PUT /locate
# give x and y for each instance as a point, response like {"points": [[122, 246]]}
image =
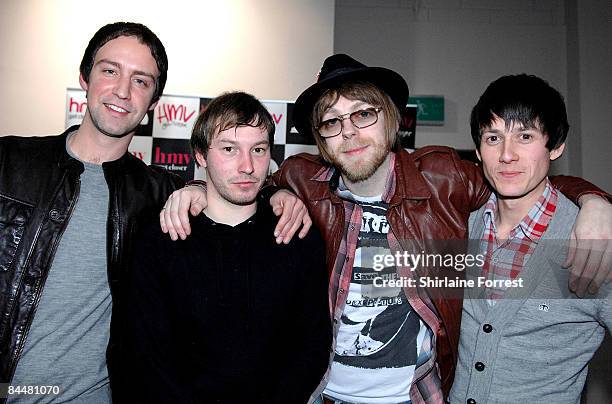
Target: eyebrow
{"points": [[136, 72], [491, 130], [358, 104], [233, 142]]}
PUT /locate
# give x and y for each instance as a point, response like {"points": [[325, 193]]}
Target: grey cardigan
{"points": [[533, 346]]}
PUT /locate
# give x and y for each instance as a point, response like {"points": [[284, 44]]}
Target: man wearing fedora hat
{"points": [[375, 204]]}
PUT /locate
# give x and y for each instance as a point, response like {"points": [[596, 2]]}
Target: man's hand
{"points": [[293, 214], [590, 251], [174, 218]]}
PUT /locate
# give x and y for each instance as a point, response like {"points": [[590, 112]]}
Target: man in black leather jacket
{"points": [[41, 187]]}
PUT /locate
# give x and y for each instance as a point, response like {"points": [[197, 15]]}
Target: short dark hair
{"points": [[524, 99], [230, 110], [145, 36]]}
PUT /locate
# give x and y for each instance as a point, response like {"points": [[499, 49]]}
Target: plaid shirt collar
{"points": [[534, 224]]}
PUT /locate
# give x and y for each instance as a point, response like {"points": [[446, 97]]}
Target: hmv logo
{"points": [[171, 114], [170, 158], [76, 107]]}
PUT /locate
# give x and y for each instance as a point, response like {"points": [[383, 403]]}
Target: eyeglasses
{"points": [[361, 119]]}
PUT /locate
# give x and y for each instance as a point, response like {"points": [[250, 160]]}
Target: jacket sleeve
{"points": [[573, 188], [152, 372], [473, 179], [307, 367], [280, 179]]}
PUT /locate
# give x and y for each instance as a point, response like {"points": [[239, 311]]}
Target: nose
{"points": [[348, 128], [246, 162], [122, 87], [508, 153]]}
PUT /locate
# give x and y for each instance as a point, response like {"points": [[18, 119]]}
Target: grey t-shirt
{"points": [[67, 341]]}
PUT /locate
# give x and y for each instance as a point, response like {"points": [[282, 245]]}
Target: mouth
{"points": [[509, 174], [355, 150], [245, 183], [116, 108]]}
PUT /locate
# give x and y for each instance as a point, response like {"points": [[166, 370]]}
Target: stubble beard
{"points": [[361, 170], [237, 198]]}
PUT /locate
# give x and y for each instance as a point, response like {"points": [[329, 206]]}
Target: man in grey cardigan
{"points": [[524, 337]]}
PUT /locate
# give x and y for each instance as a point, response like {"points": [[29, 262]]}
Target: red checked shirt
{"points": [[504, 261], [426, 385]]}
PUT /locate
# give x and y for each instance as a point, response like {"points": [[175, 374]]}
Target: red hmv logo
{"points": [[75, 106], [170, 158], [171, 114]]}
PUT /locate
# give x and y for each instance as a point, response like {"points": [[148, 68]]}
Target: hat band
{"points": [[338, 72]]}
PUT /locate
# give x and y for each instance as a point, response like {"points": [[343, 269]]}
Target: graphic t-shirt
{"points": [[380, 337]]}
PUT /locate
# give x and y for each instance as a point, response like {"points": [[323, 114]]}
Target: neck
{"points": [[91, 146], [222, 211], [511, 211], [373, 185]]}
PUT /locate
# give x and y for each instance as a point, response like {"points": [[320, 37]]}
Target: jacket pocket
{"points": [[14, 215]]}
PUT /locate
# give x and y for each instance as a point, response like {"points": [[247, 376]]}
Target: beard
{"points": [[362, 168]]}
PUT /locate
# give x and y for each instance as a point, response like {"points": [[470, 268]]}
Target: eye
{"points": [[525, 137], [492, 139], [329, 123], [363, 114], [141, 82], [260, 151], [109, 71], [228, 149]]}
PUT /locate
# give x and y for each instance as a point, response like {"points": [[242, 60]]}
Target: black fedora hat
{"points": [[339, 69]]}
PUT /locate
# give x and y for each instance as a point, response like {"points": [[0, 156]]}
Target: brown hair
{"points": [[230, 110], [362, 91]]}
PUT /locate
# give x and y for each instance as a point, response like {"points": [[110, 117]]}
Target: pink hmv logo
{"points": [[171, 114]]}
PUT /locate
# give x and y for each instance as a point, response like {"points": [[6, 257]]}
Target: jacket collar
{"points": [[410, 183], [66, 161]]}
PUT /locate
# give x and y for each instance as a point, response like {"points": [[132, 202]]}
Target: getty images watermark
{"points": [[458, 262]]}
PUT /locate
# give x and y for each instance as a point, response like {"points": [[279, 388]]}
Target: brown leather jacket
{"points": [[435, 193]]}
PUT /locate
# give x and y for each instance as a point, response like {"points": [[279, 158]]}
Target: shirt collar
{"points": [[534, 224]]}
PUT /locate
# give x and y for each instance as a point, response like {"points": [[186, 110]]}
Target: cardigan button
{"points": [[479, 366], [471, 401], [487, 328]]}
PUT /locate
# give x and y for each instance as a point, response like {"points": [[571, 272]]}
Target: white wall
{"points": [[594, 20], [455, 48], [267, 47]]}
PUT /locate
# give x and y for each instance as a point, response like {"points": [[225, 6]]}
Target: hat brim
{"points": [[387, 80]]}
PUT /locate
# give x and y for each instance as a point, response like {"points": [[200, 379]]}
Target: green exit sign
{"points": [[430, 109]]}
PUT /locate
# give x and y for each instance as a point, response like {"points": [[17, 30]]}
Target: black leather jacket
{"points": [[39, 186]]}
